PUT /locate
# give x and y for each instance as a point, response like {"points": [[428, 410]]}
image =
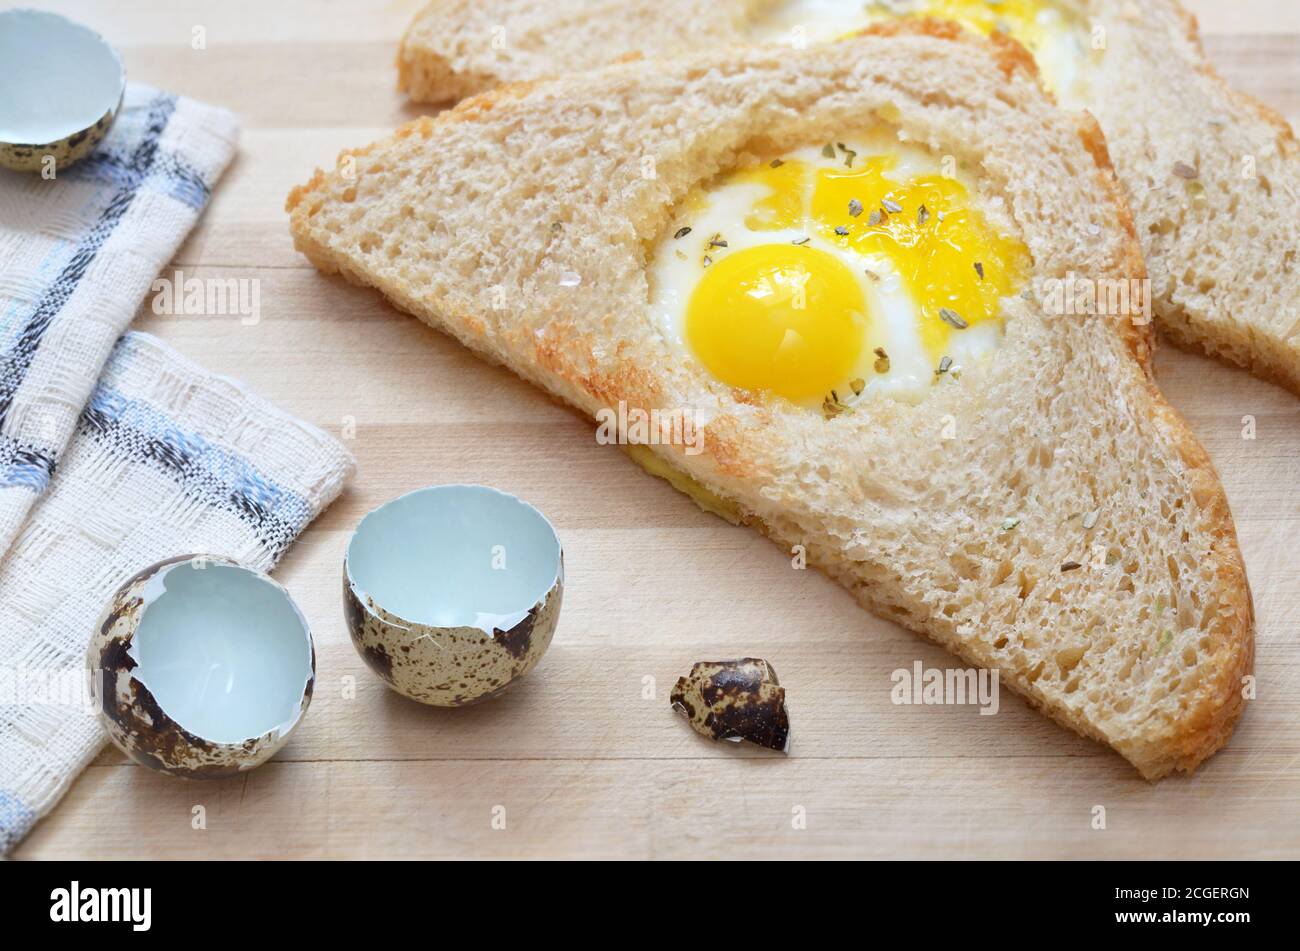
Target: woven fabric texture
{"points": [[115, 451]]}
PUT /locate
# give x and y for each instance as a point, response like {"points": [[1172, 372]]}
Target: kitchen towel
{"points": [[116, 451], [78, 253]]}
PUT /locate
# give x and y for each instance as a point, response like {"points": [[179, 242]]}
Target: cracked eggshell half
{"points": [[201, 668], [451, 593], [61, 86]]}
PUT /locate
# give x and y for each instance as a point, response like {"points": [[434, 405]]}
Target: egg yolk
{"points": [[955, 267], [781, 318], [786, 192]]}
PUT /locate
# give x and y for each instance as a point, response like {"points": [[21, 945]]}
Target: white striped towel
{"points": [[116, 453]]}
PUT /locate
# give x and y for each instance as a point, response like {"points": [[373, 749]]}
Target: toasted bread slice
{"points": [[1071, 533], [1213, 177]]}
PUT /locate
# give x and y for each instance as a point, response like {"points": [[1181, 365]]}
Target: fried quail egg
{"points": [[834, 273], [1055, 33]]}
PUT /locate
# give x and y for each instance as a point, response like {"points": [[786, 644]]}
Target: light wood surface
{"points": [[582, 758]]}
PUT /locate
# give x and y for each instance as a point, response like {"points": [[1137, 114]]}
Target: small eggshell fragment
{"points": [[201, 668], [453, 592], [735, 700]]}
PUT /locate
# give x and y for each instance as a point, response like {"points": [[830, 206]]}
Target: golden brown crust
{"points": [[1260, 364], [431, 77], [1009, 55], [1012, 56], [487, 101], [300, 192], [1288, 378], [1139, 336], [1194, 736], [1205, 728]]}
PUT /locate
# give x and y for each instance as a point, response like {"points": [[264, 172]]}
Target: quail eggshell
{"points": [[200, 667], [61, 86], [735, 700], [451, 593]]}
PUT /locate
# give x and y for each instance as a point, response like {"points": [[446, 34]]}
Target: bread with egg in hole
{"points": [[1213, 176], [1035, 506]]}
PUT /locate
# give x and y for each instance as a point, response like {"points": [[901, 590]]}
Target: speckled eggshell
{"points": [[65, 152], [735, 700], [133, 719], [65, 73], [449, 666]]}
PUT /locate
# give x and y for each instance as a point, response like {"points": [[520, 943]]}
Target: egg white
{"points": [[677, 269]]}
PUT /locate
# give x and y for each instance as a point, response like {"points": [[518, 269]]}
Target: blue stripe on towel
{"points": [[136, 431], [134, 167], [169, 174], [24, 465], [185, 184], [15, 820], [116, 163]]}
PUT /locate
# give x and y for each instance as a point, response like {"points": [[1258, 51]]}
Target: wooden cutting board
{"points": [[585, 758]]}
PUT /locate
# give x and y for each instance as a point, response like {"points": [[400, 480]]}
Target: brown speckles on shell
{"points": [[353, 611], [518, 639], [378, 660], [22, 157], [132, 717], [372, 651], [735, 699], [448, 667]]}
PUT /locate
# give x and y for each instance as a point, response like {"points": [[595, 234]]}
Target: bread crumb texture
{"points": [[1048, 515], [1213, 177]]}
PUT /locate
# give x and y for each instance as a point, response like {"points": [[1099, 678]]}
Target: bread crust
{"points": [[437, 62], [1010, 56], [1210, 722], [563, 361], [1261, 363]]}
